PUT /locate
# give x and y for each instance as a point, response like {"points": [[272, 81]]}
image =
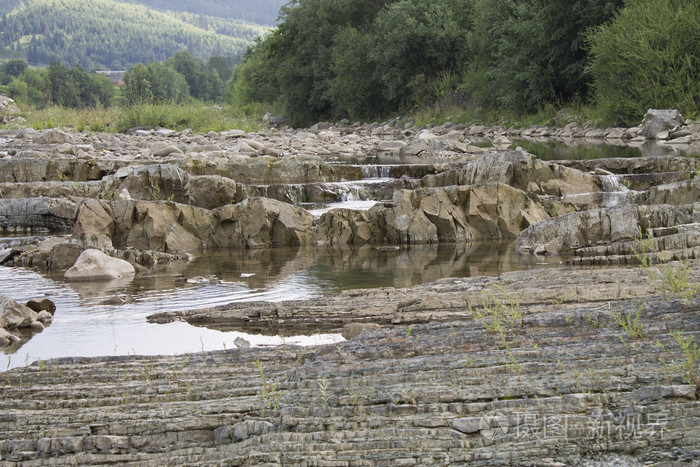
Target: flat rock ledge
{"points": [[560, 382]]}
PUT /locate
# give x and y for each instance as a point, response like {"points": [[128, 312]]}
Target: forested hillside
{"points": [[254, 11], [113, 35], [369, 58]]}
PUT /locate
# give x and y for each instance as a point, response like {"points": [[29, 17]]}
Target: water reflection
{"points": [[110, 318]]}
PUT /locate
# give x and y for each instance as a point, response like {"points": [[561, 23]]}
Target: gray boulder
{"points": [[93, 265], [655, 121], [15, 315], [162, 149], [53, 137]]}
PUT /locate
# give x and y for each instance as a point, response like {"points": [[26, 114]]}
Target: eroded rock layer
{"points": [[558, 383]]}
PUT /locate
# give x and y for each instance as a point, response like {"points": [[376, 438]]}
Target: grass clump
{"points": [[630, 325], [498, 313], [199, 117], [270, 394], [689, 366], [672, 280]]}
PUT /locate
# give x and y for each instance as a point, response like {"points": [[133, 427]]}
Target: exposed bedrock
{"points": [[36, 214], [520, 170], [634, 165], [571, 388], [615, 233], [442, 300]]}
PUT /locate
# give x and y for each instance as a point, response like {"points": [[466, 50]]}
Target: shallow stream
{"points": [[110, 318]]}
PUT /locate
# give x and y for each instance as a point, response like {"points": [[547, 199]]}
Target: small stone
{"points": [[241, 343], [467, 425], [41, 304]]}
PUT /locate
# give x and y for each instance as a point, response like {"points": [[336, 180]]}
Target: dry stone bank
{"points": [[562, 383]]}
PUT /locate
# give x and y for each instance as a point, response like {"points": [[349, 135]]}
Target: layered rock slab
{"points": [[438, 393]]}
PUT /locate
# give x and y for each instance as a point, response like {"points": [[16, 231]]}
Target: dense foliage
{"points": [[178, 80], [363, 59], [57, 85], [649, 57], [112, 35], [529, 52]]}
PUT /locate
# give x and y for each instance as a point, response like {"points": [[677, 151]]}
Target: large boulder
{"points": [[14, 315], [435, 215], [162, 226], [93, 265], [655, 121], [266, 222]]}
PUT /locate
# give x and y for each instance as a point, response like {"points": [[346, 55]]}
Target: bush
{"points": [[647, 57]]}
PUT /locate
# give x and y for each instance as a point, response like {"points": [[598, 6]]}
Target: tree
{"points": [[167, 85], [12, 69], [199, 80], [137, 85], [221, 66], [63, 89], [530, 52], [649, 56]]}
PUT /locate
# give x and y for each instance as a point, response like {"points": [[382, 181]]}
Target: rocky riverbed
{"points": [[594, 362]]}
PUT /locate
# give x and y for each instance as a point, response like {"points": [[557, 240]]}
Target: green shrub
{"points": [[647, 57]]}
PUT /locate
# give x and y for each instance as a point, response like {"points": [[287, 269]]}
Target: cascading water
{"points": [[376, 171], [611, 184], [614, 193]]}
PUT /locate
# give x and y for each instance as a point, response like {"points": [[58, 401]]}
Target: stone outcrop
{"points": [[93, 265], [36, 214], [520, 170], [614, 233], [18, 322]]}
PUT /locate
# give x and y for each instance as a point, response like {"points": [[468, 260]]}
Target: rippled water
{"points": [[89, 320]]}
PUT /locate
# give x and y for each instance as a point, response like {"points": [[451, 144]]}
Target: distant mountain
{"points": [[254, 11], [115, 34]]}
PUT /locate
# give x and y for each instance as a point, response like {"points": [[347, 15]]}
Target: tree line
{"points": [[368, 58], [177, 80]]}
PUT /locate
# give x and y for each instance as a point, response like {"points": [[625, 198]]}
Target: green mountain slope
{"points": [[254, 11], [113, 35]]}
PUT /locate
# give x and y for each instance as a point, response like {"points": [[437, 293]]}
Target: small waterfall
{"points": [[376, 171], [349, 191], [611, 184], [370, 171]]}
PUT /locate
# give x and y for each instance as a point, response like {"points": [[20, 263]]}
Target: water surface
{"points": [[95, 319]]}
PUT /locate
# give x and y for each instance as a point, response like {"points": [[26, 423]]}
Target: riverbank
{"points": [[569, 365], [556, 382]]}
